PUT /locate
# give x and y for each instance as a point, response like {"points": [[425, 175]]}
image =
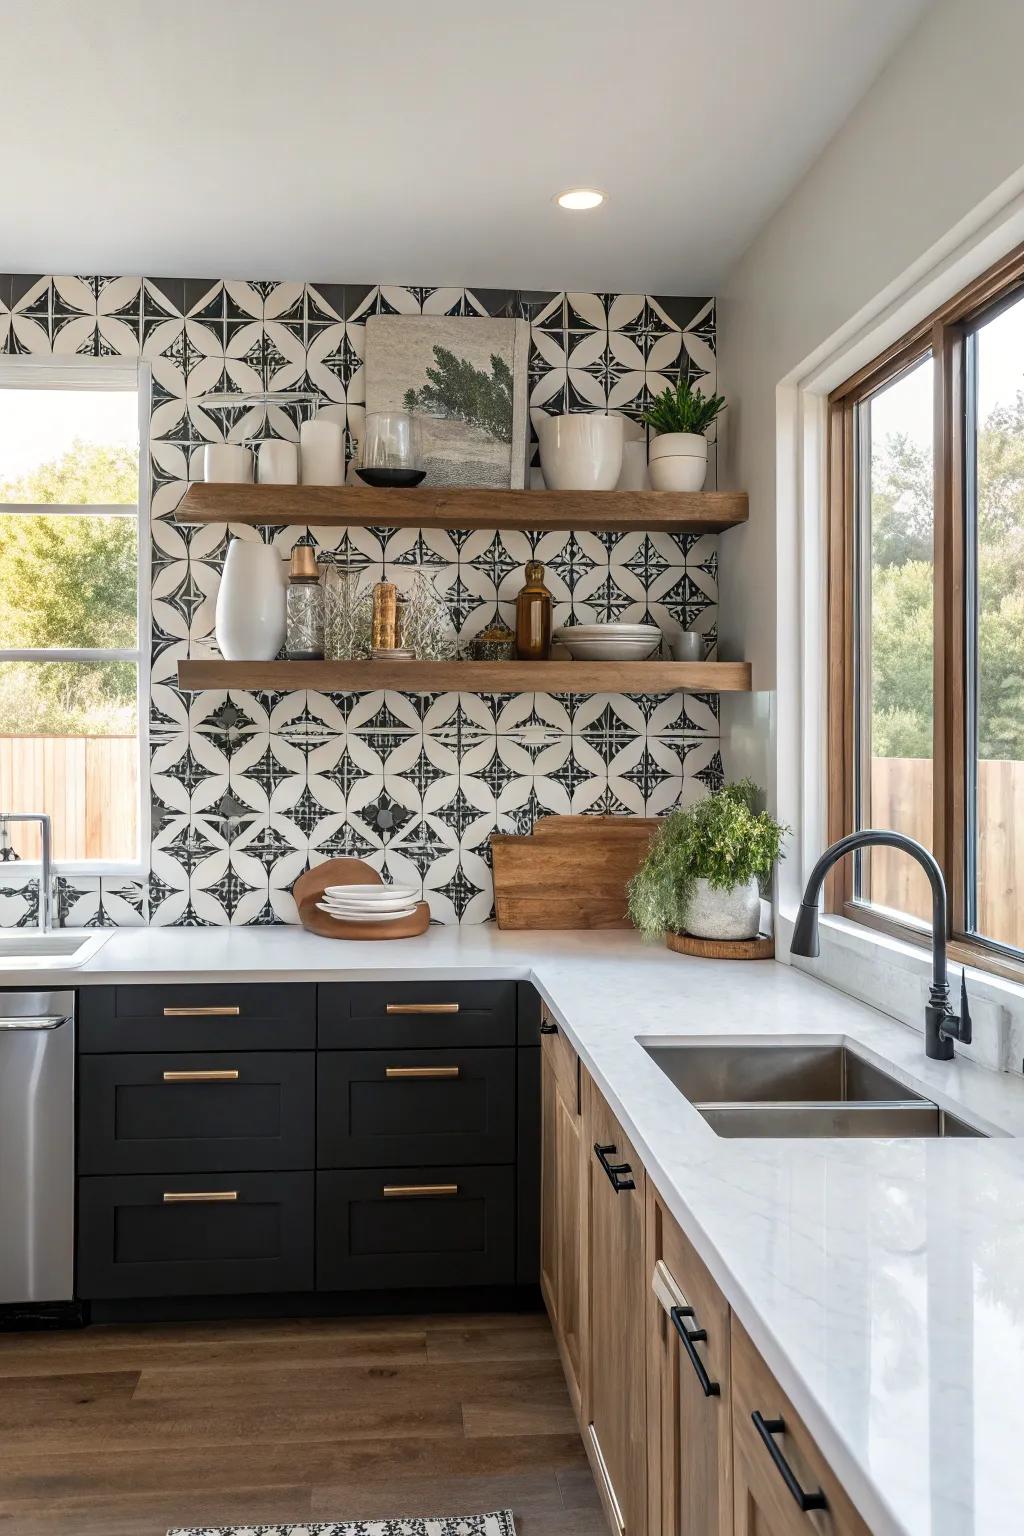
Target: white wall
{"points": [[939, 133], [922, 189]]}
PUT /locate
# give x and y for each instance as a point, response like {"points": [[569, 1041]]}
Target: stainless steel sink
{"points": [[753, 1088]]}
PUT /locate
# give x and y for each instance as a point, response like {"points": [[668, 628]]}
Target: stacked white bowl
{"points": [[368, 903], [609, 642]]}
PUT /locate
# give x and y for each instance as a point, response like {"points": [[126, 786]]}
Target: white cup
{"points": [[227, 464], [323, 452], [278, 463]]}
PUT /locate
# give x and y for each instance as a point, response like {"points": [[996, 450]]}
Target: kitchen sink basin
{"points": [[752, 1088], [25, 949]]}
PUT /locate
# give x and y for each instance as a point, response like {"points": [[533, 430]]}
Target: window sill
{"points": [[893, 976]]}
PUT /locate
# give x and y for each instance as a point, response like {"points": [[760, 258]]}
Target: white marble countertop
{"points": [[883, 1281]]}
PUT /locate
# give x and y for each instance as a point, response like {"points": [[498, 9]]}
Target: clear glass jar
{"points": [[427, 625], [344, 615]]}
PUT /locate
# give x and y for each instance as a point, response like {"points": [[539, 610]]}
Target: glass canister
{"points": [[427, 625], [304, 620], [533, 616], [342, 613]]}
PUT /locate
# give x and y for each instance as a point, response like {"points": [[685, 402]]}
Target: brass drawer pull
{"points": [[199, 1196], [423, 1008], [421, 1071], [227, 1011], [416, 1191], [228, 1075]]}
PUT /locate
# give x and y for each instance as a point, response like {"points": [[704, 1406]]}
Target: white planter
{"points": [[715, 914], [251, 602], [580, 452], [227, 464], [679, 461]]}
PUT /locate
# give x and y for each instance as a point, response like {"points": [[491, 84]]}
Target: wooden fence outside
{"points": [[88, 784], [901, 797]]}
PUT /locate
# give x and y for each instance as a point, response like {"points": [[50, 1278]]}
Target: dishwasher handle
{"points": [[53, 1021]]}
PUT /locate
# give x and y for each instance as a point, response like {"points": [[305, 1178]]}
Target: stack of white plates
{"points": [[609, 642], [368, 903]]}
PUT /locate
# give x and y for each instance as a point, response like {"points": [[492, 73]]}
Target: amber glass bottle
{"points": [[533, 616]]}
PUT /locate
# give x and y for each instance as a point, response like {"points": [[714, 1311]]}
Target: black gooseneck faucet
{"points": [[941, 1025]]}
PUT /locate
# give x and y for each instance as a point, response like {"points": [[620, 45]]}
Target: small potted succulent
{"points": [[704, 870], [680, 419]]}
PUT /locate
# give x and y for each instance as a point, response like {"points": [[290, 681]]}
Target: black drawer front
{"points": [[376, 1015], [278, 1016], [368, 1239], [378, 1109], [174, 1113], [133, 1242]]}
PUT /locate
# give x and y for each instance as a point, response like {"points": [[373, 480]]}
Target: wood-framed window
{"points": [[926, 622]]}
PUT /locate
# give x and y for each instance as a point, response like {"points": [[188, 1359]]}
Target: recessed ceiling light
{"points": [[580, 197]]}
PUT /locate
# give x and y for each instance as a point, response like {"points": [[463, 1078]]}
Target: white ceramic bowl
{"points": [[369, 893], [367, 917]]}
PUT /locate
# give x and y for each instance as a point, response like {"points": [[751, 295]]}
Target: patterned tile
{"points": [[248, 789]]}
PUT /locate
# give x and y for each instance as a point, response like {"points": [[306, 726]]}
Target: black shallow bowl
{"points": [[387, 479]]}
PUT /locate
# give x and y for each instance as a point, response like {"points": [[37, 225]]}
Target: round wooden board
{"points": [[761, 948], [329, 927], [333, 872]]}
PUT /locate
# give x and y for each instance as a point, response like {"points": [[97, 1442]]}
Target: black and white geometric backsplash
{"points": [[248, 788]]}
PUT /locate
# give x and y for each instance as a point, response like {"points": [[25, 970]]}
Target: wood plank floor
{"points": [[127, 1431]]}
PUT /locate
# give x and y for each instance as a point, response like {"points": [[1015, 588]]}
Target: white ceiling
{"points": [[419, 140]]}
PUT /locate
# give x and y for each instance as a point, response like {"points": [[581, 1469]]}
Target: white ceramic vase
{"points": [[731, 914], [251, 600], [679, 461], [227, 464], [581, 451]]}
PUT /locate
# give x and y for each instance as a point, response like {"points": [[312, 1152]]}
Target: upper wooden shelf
{"points": [[470, 676], [325, 506]]}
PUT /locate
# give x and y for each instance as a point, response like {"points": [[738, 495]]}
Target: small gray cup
{"points": [[687, 645]]}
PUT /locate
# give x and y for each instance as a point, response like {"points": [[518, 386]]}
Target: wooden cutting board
{"points": [[571, 872]]}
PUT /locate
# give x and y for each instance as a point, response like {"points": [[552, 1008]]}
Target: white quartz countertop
{"points": [[883, 1281]]}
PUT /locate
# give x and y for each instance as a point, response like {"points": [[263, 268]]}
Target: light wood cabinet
{"points": [[561, 1218], [689, 1397], [783, 1485], [614, 1418]]}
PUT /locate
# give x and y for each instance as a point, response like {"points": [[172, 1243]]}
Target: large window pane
{"points": [[69, 446], [998, 714], [894, 641], [68, 580], [68, 746]]}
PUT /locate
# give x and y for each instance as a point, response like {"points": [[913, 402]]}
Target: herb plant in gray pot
{"points": [[705, 868]]}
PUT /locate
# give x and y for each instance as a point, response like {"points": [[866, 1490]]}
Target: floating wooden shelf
{"points": [[325, 506], [470, 676]]}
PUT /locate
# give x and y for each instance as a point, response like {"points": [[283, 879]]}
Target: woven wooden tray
{"points": [[761, 948]]}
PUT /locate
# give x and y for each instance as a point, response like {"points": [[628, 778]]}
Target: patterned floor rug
{"points": [[497, 1524]]}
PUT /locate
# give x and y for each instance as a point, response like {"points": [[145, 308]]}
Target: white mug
{"points": [[323, 452], [278, 463], [227, 464]]}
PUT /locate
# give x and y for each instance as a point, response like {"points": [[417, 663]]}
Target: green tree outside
{"points": [[902, 574], [70, 581]]}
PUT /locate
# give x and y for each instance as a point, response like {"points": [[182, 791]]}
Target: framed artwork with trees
{"points": [[464, 378]]}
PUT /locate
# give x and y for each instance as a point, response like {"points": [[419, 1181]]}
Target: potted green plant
{"points": [[704, 869], [680, 419]]}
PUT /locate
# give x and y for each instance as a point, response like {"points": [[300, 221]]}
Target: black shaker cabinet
{"points": [[290, 1137]]}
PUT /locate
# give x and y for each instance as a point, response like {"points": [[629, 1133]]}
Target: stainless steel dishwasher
{"points": [[37, 1146]]}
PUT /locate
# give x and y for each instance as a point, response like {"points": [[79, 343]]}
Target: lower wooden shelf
{"points": [[470, 676]]}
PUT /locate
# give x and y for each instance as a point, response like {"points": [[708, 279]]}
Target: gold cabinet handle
{"points": [[199, 1196], [421, 1071], [423, 1008], [227, 1011], [227, 1075], [417, 1191]]}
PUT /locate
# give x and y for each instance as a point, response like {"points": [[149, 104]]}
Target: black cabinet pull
{"points": [[690, 1338], [619, 1174], [767, 1429], [548, 1028]]}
